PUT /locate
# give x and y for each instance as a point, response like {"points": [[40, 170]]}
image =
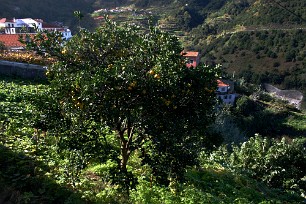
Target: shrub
{"points": [[246, 106], [281, 164]]}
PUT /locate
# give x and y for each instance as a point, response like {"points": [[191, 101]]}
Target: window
{"points": [[230, 97]]}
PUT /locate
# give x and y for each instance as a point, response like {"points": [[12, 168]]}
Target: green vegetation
{"points": [[259, 112], [36, 168], [2, 46], [275, 57], [261, 41], [123, 121], [50, 11], [278, 163], [26, 155], [136, 85]]}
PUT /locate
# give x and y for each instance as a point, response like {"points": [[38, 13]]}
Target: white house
{"points": [[16, 26], [29, 25], [226, 92], [64, 30]]}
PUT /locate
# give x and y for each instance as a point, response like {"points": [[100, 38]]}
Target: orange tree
{"points": [[135, 84]]}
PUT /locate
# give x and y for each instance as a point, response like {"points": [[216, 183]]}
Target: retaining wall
{"points": [[22, 70]]}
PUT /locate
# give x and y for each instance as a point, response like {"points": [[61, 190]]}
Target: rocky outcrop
{"points": [[293, 97]]}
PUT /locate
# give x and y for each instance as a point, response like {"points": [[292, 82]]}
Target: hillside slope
{"points": [[260, 40]]}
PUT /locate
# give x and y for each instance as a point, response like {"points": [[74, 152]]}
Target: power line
{"points": [[292, 12]]}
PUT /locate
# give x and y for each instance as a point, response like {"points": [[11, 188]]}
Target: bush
{"points": [[281, 164], [246, 106]]}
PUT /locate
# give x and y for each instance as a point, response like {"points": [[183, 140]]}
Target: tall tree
{"points": [[137, 85]]}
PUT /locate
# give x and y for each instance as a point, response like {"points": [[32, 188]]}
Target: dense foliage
{"points": [[26, 155], [136, 84], [35, 168], [274, 56], [117, 116], [278, 163], [49, 11]]}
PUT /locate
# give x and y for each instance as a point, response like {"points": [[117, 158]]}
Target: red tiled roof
{"points": [[99, 17], [2, 20], [221, 83], [190, 54], [11, 40]]}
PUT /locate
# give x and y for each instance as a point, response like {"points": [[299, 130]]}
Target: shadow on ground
{"points": [[24, 180]]}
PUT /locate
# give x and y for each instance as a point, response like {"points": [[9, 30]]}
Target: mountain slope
{"points": [[260, 40]]}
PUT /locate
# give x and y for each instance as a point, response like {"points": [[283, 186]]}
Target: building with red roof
{"points": [[193, 58], [12, 41], [225, 91], [29, 25]]}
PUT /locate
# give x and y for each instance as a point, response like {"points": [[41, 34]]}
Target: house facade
{"points": [[64, 30], [15, 27], [193, 58], [225, 91]]}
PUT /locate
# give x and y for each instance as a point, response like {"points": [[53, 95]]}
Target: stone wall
{"points": [[22, 70]]}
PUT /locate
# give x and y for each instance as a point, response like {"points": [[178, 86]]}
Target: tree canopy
{"points": [[136, 85]]}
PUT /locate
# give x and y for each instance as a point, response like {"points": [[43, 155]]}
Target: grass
{"points": [[297, 121], [26, 173]]}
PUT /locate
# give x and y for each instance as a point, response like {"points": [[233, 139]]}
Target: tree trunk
{"points": [[125, 153]]}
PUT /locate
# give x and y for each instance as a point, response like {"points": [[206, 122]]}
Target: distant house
{"points": [[193, 58], [64, 30], [225, 91], [14, 27]]}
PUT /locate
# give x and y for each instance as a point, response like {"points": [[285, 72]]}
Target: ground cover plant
{"points": [[26, 155], [34, 171]]}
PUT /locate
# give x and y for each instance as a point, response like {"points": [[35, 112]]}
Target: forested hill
{"points": [[261, 41], [188, 14]]}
